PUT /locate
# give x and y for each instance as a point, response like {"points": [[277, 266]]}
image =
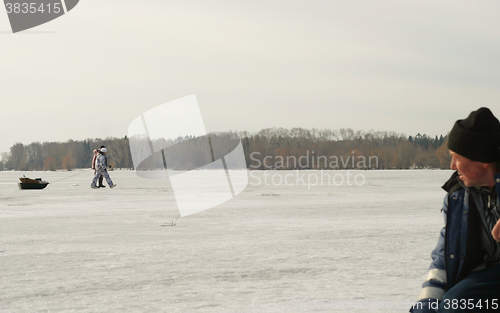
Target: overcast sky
{"points": [[404, 66]]}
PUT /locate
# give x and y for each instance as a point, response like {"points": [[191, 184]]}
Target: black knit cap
{"points": [[477, 137]]}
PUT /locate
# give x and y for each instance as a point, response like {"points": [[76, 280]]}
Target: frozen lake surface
{"points": [[282, 247]]}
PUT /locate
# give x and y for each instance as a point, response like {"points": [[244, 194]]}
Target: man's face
{"points": [[472, 173]]}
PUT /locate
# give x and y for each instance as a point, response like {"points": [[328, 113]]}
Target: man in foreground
{"points": [[464, 275]]}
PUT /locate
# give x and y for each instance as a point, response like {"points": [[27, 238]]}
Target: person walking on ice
{"points": [[96, 153], [101, 169]]}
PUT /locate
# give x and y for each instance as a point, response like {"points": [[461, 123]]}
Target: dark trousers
{"points": [[478, 292]]}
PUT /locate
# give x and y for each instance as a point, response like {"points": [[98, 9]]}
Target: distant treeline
{"points": [[272, 148], [51, 156]]}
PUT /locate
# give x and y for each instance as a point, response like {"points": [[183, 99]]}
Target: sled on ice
{"points": [[28, 183]]}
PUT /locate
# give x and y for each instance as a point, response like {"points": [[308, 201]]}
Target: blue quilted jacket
{"points": [[460, 246]]}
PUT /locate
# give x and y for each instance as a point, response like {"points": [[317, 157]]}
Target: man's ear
{"points": [[486, 165]]}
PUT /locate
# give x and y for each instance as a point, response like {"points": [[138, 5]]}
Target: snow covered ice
{"points": [[273, 248]]}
